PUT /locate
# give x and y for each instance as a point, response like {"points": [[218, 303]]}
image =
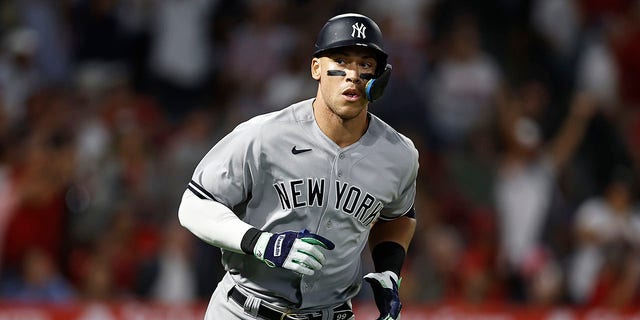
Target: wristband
{"points": [[388, 256], [249, 240]]}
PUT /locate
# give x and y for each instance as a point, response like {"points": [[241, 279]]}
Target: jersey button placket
{"points": [[341, 156]]}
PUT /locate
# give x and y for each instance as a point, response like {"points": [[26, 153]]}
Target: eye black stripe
{"points": [[366, 76], [339, 73]]}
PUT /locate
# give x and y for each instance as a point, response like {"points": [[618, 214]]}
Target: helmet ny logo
{"points": [[358, 30]]}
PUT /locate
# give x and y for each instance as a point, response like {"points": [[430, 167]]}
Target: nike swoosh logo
{"points": [[298, 151]]}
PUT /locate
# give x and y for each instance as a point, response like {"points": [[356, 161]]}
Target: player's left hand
{"points": [[385, 287]]}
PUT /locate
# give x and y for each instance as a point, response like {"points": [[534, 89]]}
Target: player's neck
{"points": [[344, 132]]}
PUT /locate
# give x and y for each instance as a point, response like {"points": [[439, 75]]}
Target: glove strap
{"points": [[261, 245]]}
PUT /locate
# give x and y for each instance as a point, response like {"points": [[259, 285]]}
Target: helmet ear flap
{"points": [[375, 87]]}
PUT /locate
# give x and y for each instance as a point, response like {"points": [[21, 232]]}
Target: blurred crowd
{"points": [[525, 113]]}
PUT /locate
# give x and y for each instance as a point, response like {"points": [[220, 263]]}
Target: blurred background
{"points": [[525, 113]]}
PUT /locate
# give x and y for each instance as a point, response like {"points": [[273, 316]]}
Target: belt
{"points": [[340, 312]]}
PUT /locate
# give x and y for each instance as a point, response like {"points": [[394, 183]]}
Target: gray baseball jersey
{"points": [[279, 172]]}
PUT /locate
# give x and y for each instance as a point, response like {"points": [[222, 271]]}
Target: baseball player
{"points": [[292, 197]]}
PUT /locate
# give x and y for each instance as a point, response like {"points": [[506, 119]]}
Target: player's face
{"points": [[342, 87]]}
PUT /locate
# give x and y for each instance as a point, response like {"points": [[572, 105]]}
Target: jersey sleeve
{"points": [[225, 174], [402, 205]]}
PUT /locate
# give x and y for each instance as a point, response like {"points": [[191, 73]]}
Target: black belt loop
{"points": [[268, 313]]}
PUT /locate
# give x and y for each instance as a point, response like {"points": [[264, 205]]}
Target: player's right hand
{"points": [[297, 251]]}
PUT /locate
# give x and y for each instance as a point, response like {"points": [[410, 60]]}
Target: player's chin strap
{"points": [[375, 86]]}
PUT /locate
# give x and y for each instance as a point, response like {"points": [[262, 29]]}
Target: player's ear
{"points": [[315, 68]]}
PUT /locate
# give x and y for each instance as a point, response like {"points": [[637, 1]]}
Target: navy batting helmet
{"points": [[351, 29]]}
